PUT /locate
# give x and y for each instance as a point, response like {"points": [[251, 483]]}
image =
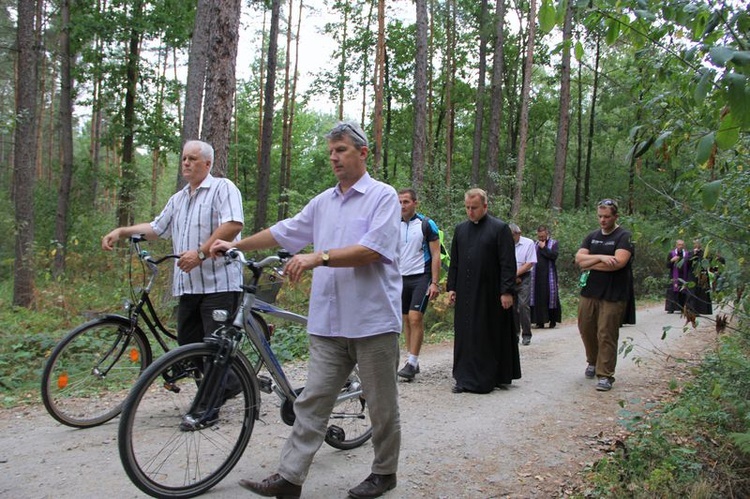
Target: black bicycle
{"points": [[189, 417], [89, 373]]}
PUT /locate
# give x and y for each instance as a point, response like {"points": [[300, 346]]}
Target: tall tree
{"points": [[476, 155], [264, 168], [563, 121], [66, 140], [220, 81], [125, 213], [592, 121], [285, 124], [496, 101], [523, 132], [24, 153], [196, 77], [379, 88], [419, 138]]}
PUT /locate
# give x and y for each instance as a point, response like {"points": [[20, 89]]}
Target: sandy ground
{"points": [[530, 440]]}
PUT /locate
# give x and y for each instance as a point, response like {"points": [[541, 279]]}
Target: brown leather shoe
{"points": [[274, 485], [374, 486]]}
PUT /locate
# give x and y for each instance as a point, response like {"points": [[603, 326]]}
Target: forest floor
{"points": [[530, 440]]}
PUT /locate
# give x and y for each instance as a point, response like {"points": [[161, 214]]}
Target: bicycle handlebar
{"points": [[136, 240]]}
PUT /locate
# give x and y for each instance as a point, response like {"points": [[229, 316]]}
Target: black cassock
{"points": [[483, 266]]}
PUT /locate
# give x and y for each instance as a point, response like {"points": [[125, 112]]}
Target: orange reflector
{"points": [[135, 356], [62, 381]]}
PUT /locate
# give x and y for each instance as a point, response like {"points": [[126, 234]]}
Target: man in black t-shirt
{"points": [[605, 259]]}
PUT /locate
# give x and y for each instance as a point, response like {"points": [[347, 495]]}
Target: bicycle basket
{"points": [[269, 286]]}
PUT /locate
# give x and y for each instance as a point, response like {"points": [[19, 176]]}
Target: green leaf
{"points": [[738, 95], [710, 194], [701, 90], [579, 51], [613, 31], [661, 138], [645, 15], [720, 56], [547, 17], [705, 148], [728, 133]]}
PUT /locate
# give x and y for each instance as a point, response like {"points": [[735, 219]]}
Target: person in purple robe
{"points": [[678, 263], [545, 296]]}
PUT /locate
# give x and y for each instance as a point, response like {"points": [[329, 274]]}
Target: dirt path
{"points": [[526, 441]]}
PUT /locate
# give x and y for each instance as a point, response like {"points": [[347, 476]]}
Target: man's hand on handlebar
{"points": [[219, 247]]}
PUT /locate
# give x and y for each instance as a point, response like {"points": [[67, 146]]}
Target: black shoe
{"points": [[552, 324], [374, 486], [540, 326], [526, 340], [274, 485], [458, 389], [199, 420], [408, 372], [230, 394]]}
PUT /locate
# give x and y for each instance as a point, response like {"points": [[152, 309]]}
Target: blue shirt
{"points": [[189, 220], [351, 302]]}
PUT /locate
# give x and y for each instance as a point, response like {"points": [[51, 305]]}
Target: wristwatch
{"points": [[201, 254], [325, 257]]}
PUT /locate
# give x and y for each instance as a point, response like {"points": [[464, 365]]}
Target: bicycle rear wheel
{"points": [[164, 460], [89, 373], [349, 425]]}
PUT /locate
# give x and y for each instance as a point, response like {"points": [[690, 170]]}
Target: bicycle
{"points": [[88, 374], [180, 435]]}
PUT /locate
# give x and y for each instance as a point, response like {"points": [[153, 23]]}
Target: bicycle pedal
{"points": [[265, 383], [172, 387]]}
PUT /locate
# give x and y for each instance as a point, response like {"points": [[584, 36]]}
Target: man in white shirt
{"points": [[525, 261]]}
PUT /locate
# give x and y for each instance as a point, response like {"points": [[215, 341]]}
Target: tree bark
{"points": [[220, 81], [126, 197], [523, 133], [563, 122], [592, 114], [66, 141], [196, 78], [285, 135], [496, 102], [264, 168], [379, 72], [419, 139], [24, 153], [476, 155]]}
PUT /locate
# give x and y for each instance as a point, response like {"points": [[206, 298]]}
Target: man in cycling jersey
{"points": [[419, 265]]}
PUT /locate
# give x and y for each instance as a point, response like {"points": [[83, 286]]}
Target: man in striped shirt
{"points": [[206, 209]]}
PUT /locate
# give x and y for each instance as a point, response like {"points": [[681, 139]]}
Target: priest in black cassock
{"points": [[481, 282]]}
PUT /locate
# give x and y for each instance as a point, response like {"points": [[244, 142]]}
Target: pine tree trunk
{"points": [[496, 102], [24, 153], [563, 121]]}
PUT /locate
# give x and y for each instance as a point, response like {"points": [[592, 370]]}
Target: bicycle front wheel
{"points": [[89, 373], [160, 456], [349, 425]]}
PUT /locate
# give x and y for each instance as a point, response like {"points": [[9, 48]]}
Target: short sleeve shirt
{"points": [[415, 251], [189, 220], [610, 286], [525, 251], [351, 302]]}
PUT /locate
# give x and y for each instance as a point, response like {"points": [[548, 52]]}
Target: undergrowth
{"points": [[695, 446]]}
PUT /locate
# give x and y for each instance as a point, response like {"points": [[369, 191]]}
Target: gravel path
{"points": [[526, 441]]}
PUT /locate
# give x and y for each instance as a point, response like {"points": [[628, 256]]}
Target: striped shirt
{"points": [[189, 220]]}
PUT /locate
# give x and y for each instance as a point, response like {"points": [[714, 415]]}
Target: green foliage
{"points": [[699, 441]]}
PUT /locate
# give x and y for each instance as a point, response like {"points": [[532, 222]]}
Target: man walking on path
{"points": [[354, 317], [525, 261], [607, 283], [419, 264]]}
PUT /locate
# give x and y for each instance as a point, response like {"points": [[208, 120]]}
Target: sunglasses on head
{"points": [[355, 132]]}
